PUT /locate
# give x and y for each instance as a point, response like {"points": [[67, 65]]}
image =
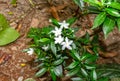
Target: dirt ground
{"points": [[18, 65]]}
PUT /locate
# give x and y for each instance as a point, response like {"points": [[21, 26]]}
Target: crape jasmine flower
{"points": [[57, 31], [64, 24], [58, 40], [67, 44], [30, 51]]}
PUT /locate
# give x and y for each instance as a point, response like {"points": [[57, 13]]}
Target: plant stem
{"points": [[31, 2]]}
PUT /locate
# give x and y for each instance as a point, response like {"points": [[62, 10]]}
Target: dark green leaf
{"points": [[72, 65], [75, 55], [90, 66], [91, 59], [103, 79], [53, 75], [99, 20], [108, 70], [80, 3], [112, 12], [58, 62], [8, 35], [84, 72], [71, 20], [73, 72], [118, 23], [3, 22], [85, 56], [115, 5], [46, 30], [53, 48], [58, 70], [41, 72], [94, 10], [108, 26]]}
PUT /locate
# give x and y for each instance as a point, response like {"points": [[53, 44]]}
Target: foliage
{"points": [[7, 34], [108, 70], [58, 49], [107, 11]]}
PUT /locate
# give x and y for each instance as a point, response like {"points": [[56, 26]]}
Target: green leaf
{"points": [[112, 12], [73, 72], [89, 66], [86, 56], [55, 22], [115, 5], [103, 2], [91, 59], [94, 75], [75, 55], [53, 48], [108, 26], [8, 35], [99, 20], [13, 2], [44, 40], [118, 23], [58, 62], [94, 10], [52, 73], [103, 79], [77, 79], [80, 3], [84, 72], [58, 70], [3, 22], [72, 65], [71, 20], [92, 2], [41, 72]]}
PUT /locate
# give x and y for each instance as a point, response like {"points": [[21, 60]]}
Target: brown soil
{"points": [[22, 17]]}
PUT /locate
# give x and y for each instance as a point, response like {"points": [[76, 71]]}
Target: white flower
{"points": [[67, 44], [45, 47], [30, 51], [57, 31], [64, 24], [59, 39]]}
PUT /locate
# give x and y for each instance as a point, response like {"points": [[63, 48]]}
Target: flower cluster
{"points": [[59, 39]]}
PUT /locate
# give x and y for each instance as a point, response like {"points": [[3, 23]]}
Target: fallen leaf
{"points": [[107, 54], [54, 12], [34, 22]]}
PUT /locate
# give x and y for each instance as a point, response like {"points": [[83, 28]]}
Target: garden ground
{"points": [[16, 65]]}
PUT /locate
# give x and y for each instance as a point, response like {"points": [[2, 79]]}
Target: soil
{"points": [[18, 65]]}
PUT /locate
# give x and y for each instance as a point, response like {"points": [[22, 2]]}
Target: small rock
{"points": [[13, 24], [29, 79], [34, 22], [20, 78]]}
